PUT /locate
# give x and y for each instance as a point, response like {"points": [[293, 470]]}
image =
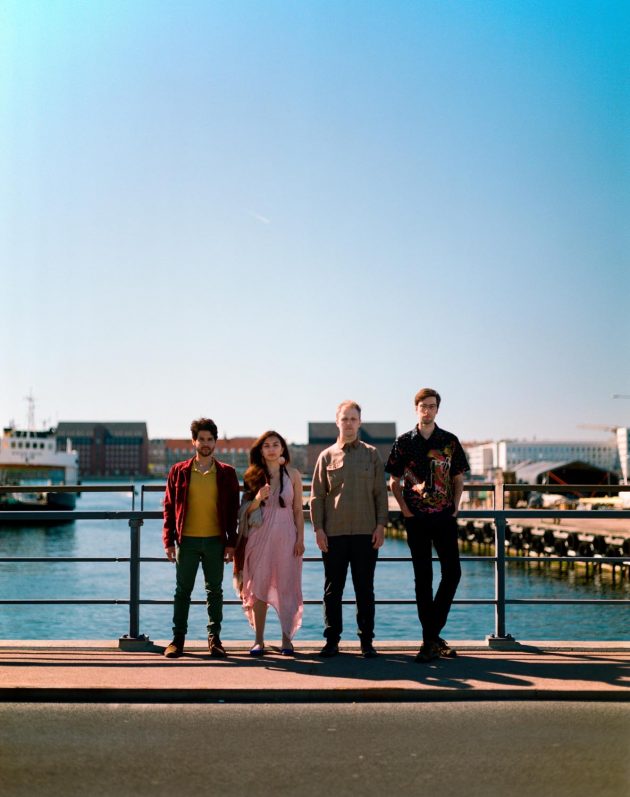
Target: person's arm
{"points": [[318, 503], [231, 513], [298, 513], [458, 489], [379, 492], [395, 467], [168, 530], [394, 483], [262, 495]]}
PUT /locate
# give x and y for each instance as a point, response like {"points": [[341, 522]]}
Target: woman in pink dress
{"points": [[272, 524]]}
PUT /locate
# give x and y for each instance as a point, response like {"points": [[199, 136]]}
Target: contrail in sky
{"points": [[260, 218]]}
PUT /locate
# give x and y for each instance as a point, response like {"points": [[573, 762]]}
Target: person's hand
{"points": [[264, 493], [405, 510], [298, 548], [378, 537], [228, 555], [322, 540], [455, 513], [171, 553]]}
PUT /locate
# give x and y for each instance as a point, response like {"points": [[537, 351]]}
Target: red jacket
{"points": [[176, 500]]}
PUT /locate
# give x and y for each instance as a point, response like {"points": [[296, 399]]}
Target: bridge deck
{"points": [[88, 671]]}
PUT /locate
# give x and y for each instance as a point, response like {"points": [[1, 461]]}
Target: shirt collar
{"points": [[345, 446], [203, 473], [416, 432]]}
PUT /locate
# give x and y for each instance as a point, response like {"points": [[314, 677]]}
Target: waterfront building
{"points": [[107, 448], [157, 457], [505, 455], [321, 434], [165, 452], [574, 472], [623, 447], [299, 457], [481, 457]]}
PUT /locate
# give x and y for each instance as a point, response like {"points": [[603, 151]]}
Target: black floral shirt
{"points": [[427, 468]]}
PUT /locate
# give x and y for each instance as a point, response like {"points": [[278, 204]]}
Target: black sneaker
{"points": [[329, 650], [446, 651], [368, 651], [428, 652]]}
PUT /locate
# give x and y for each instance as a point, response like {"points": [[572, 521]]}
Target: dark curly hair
{"points": [[204, 425]]}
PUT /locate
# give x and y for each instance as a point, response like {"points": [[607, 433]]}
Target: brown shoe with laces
{"points": [[446, 651], [215, 646], [176, 648]]}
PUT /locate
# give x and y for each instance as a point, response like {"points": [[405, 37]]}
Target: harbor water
{"points": [[394, 580]]}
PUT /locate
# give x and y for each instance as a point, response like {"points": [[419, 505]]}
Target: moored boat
{"points": [[30, 458]]}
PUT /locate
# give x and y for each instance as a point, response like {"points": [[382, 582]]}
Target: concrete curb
{"points": [[345, 695]]}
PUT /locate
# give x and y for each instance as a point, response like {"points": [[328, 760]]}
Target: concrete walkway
{"points": [[78, 671]]}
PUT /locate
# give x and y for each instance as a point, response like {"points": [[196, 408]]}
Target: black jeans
{"points": [[439, 528], [355, 550]]}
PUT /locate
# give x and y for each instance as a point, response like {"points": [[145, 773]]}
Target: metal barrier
{"points": [[499, 517]]}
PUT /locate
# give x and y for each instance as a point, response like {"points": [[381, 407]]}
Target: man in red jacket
{"points": [[200, 518]]}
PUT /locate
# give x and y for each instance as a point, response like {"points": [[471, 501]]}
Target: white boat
{"points": [[30, 458]]}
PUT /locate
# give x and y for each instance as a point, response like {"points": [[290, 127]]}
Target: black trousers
{"points": [[439, 529], [355, 550]]}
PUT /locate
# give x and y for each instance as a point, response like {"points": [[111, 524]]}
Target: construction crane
{"points": [[599, 426]]}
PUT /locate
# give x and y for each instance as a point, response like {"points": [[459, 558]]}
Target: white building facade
{"points": [[507, 454], [623, 447]]}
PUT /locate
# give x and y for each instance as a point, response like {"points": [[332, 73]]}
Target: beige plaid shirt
{"points": [[348, 493]]}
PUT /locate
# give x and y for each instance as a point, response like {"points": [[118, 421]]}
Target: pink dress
{"points": [[271, 572]]}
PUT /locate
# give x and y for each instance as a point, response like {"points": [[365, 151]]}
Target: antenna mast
{"points": [[30, 400]]}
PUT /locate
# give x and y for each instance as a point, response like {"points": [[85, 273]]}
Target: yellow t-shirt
{"points": [[202, 512]]}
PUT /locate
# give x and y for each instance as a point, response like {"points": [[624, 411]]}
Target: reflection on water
{"points": [[104, 538]]}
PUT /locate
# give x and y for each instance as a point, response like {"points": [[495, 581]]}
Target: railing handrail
{"points": [[500, 518], [158, 488], [67, 488], [153, 514]]}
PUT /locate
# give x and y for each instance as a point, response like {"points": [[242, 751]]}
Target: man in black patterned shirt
{"points": [[431, 463]]}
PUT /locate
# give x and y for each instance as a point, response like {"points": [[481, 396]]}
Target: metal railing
{"points": [[135, 519]]}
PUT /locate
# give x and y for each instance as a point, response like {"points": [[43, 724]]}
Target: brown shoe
{"points": [[446, 651], [217, 651], [176, 648]]}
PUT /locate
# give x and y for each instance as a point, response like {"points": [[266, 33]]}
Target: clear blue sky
{"points": [[253, 210]]}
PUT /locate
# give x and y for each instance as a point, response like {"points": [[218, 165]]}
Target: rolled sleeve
{"points": [[460, 462]]}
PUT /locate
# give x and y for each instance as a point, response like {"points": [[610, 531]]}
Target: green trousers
{"points": [[209, 551]]}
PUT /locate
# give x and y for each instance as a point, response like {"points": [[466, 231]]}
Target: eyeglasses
{"points": [[427, 406]]}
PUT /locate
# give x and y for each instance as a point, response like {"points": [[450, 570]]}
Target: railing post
{"points": [[134, 640], [500, 637]]}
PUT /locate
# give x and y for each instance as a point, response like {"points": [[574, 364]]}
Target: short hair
{"points": [[350, 404], [426, 392], [204, 425]]}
